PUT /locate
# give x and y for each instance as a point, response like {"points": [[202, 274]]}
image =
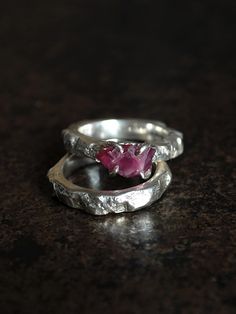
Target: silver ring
{"points": [[98, 202], [124, 146]]}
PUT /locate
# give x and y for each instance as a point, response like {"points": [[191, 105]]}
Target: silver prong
{"points": [[114, 171], [119, 146], [143, 147], [146, 175]]}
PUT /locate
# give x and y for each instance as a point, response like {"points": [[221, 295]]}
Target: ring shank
{"points": [[88, 137], [123, 129], [102, 202]]}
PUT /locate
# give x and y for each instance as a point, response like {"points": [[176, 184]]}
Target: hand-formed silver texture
{"points": [[99, 202], [88, 137]]}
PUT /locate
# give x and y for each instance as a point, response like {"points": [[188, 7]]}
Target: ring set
{"points": [[125, 147]]}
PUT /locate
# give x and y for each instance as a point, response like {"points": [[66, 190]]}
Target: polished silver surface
{"points": [[89, 137], [102, 202]]}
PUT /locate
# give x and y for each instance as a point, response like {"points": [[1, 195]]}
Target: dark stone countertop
{"points": [[63, 61]]}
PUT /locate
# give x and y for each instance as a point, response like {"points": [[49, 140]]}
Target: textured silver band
{"points": [[89, 137], [99, 202]]}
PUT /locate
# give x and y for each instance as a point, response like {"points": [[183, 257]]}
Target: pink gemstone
{"points": [[130, 162]]}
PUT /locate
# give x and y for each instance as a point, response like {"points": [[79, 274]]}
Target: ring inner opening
{"points": [[89, 174]]}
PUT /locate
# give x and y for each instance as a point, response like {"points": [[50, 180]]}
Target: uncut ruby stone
{"points": [[130, 162]]}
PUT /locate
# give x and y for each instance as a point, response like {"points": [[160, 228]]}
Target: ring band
{"points": [[98, 202], [89, 137], [127, 147]]}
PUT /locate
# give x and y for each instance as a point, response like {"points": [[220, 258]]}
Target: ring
{"points": [[127, 147], [102, 202]]}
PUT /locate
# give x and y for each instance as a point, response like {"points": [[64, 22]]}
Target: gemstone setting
{"points": [[127, 160]]}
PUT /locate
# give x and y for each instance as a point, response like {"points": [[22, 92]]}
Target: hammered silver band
{"points": [[89, 137], [98, 202]]}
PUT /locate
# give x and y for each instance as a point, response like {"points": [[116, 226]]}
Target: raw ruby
{"points": [[131, 162]]}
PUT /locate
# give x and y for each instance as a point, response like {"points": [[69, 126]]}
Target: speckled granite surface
{"points": [[62, 61]]}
